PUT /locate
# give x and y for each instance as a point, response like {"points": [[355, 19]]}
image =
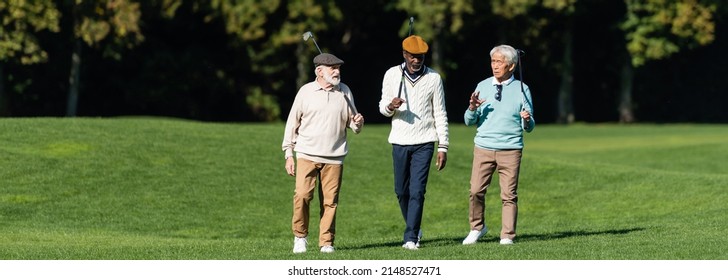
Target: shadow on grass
{"points": [[520, 239], [568, 234]]}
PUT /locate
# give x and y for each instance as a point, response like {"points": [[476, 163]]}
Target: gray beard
{"points": [[329, 79]]}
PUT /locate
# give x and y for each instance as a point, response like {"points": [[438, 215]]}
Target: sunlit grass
{"points": [[149, 188]]}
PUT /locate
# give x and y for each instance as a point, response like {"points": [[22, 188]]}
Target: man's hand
{"points": [[396, 102], [441, 160], [290, 166], [358, 120], [526, 116], [475, 101]]}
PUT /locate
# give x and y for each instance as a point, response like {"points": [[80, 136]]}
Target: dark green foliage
{"points": [[210, 60]]}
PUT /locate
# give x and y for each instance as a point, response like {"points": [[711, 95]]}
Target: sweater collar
{"points": [[413, 77], [506, 82]]}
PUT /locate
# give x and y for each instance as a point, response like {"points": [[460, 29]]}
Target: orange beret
{"points": [[414, 45]]}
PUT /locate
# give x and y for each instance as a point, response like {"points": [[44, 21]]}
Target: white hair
{"points": [[507, 51]]}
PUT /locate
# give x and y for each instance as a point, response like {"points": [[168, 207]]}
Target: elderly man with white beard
{"points": [[316, 132]]}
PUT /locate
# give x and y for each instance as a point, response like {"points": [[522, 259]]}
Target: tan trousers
{"points": [[485, 163], [329, 183]]}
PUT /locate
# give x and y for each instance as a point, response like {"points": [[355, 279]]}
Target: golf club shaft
{"points": [[317, 47], [351, 106], [411, 21], [401, 82], [524, 100], [308, 35]]}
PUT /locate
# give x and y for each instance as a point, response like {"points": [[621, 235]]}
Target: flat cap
{"points": [[327, 59], [415, 45]]}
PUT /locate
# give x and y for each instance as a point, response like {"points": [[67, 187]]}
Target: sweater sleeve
{"points": [[389, 88], [471, 117], [440, 114], [291, 131], [528, 106]]}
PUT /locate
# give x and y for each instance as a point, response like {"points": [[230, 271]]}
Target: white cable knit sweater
{"points": [[423, 117]]}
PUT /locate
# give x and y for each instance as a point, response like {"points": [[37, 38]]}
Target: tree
{"points": [[565, 105], [267, 41], [21, 20], [657, 29], [556, 12], [102, 24]]}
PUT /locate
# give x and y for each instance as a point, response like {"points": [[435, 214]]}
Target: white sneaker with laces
{"points": [[473, 236], [409, 245], [506, 241], [299, 244], [327, 249]]}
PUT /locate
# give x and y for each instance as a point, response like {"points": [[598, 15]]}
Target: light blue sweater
{"points": [[499, 123]]}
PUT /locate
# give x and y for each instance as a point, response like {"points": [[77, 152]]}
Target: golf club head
{"points": [[307, 35]]}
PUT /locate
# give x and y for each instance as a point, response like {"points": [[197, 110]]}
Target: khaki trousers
{"points": [[329, 183], [508, 165]]}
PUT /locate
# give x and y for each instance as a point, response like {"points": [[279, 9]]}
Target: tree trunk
{"points": [[74, 80], [566, 91], [626, 113], [4, 106]]}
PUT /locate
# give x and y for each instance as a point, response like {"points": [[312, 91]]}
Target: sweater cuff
{"points": [[388, 112]]}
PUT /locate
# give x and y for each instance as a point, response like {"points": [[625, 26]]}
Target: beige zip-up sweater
{"points": [[423, 117], [316, 125]]}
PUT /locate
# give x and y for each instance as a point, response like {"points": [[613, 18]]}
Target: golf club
{"points": [[308, 35], [401, 82], [524, 100], [411, 21]]}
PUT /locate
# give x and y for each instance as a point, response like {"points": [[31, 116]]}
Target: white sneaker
{"points": [[410, 245], [299, 244], [327, 249], [419, 237], [506, 241], [473, 236]]}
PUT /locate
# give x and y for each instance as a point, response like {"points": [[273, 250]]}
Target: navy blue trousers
{"points": [[411, 169]]}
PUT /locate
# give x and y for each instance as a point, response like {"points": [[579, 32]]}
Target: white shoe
{"points": [[327, 249], [410, 245], [506, 241], [419, 237], [299, 244], [473, 236]]}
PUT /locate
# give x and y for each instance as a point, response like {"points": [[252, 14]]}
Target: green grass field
{"points": [[151, 188]]}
